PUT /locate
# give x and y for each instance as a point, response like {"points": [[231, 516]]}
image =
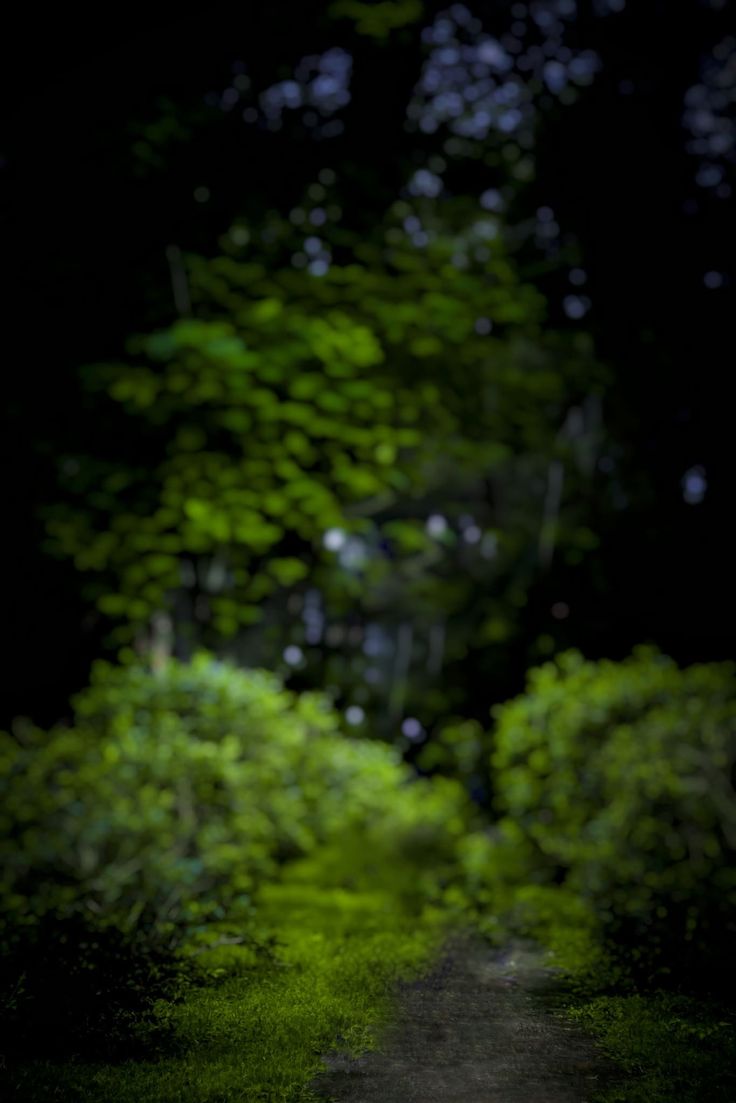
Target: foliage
{"points": [[178, 119], [261, 421], [292, 408], [377, 19], [252, 456], [619, 777], [77, 981], [175, 795], [671, 1047], [457, 749]]}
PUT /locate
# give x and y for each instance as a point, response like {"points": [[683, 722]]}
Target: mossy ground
{"points": [[676, 1049], [672, 1047], [257, 1031]]}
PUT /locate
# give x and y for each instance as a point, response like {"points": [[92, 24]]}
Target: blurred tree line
{"points": [[417, 230]]}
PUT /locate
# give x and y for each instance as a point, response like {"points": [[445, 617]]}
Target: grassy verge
{"points": [[675, 1049], [257, 1031], [671, 1047]]}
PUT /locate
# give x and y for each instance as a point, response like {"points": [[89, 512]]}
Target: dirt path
{"points": [[481, 1028]]}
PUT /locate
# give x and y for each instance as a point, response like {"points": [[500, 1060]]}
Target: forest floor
{"points": [[353, 970], [485, 1026]]}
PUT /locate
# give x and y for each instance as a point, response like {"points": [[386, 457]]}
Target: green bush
{"points": [[75, 981], [173, 796], [620, 777]]}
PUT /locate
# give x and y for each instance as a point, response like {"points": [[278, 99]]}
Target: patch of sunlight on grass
{"points": [[258, 1033]]}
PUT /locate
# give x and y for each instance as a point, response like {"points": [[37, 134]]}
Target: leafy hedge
{"points": [[618, 779], [173, 796]]}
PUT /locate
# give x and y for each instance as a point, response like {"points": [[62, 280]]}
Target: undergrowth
{"points": [[671, 1046], [256, 1029], [675, 1049]]}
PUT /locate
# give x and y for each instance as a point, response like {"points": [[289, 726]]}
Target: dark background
{"points": [[84, 241]]}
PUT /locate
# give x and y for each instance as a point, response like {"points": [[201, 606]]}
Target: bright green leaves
{"points": [[288, 406], [380, 18], [264, 429], [618, 774], [408, 536], [113, 605], [342, 344], [182, 792], [288, 571], [137, 387], [267, 310], [385, 453], [307, 385], [197, 510]]}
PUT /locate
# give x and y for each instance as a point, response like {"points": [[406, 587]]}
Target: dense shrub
{"points": [[74, 981], [620, 778], [173, 796]]}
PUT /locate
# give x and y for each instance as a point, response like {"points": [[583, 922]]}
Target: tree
{"points": [[595, 142], [389, 434]]}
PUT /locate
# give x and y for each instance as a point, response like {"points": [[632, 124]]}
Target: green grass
{"points": [[671, 1048], [675, 1049], [258, 1031]]}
